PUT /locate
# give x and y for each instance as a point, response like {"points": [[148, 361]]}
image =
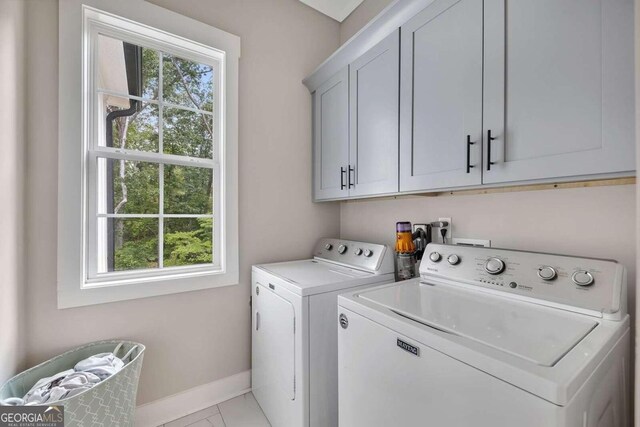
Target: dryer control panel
{"points": [[371, 257], [586, 284]]}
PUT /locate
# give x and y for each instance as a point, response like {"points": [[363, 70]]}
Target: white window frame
{"points": [[97, 23], [150, 26]]}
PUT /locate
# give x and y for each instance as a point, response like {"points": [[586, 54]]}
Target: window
{"points": [[154, 151], [157, 176]]}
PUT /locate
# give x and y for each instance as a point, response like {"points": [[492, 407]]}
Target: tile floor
{"points": [[242, 411]]}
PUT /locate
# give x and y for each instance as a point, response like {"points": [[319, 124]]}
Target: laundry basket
{"points": [[111, 402]]}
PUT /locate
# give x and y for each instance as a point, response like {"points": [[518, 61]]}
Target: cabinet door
{"points": [[558, 95], [331, 137], [374, 85], [441, 97]]}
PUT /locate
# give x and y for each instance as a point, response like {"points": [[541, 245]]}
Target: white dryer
{"points": [[488, 338], [294, 371]]}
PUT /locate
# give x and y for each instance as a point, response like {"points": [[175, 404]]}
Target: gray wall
{"points": [[367, 10], [593, 222], [196, 337], [12, 90]]}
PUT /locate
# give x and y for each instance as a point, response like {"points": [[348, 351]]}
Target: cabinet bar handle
{"points": [[489, 139], [469, 144], [342, 172], [352, 169]]}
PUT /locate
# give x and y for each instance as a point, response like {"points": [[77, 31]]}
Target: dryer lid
{"points": [[539, 334]]}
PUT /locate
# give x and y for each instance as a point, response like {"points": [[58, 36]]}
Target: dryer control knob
{"points": [[494, 266], [368, 253], [582, 278], [547, 273], [453, 259], [342, 249], [358, 251], [328, 246], [435, 256]]}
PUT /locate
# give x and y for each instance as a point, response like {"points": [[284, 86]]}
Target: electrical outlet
{"points": [[471, 242], [417, 227], [449, 228]]}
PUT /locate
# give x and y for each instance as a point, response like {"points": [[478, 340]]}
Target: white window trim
{"points": [[74, 287]]}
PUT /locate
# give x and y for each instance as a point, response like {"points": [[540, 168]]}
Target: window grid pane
{"points": [[196, 96], [127, 187], [115, 56], [187, 83], [129, 244], [187, 133], [187, 241], [182, 239], [185, 235]]}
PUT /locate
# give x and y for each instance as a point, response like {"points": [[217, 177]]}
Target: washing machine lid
{"points": [[538, 334], [311, 276]]}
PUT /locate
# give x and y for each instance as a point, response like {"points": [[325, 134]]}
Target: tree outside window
{"points": [[154, 214]]}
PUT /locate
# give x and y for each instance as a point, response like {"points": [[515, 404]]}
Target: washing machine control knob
{"points": [[435, 256], [342, 249], [344, 321], [453, 259], [547, 273], [328, 246], [582, 278], [368, 253], [358, 251], [494, 266]]}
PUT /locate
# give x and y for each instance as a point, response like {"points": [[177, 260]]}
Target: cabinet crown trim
{"points": [[386, 22]]}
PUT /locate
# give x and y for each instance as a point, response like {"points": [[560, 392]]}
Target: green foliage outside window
{"points": [[187, 190]]}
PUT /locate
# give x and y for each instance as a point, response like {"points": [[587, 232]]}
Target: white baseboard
{"points": [[167, 409]]}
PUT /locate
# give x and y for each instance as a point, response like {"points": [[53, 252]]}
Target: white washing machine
{"points": [[294, 341], [488, 338]]}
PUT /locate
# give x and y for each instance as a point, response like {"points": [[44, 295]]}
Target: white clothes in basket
{"points": [[85, 374]]}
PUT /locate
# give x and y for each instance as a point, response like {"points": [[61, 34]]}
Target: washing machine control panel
{"points": [[361, 255], [584, 283]]}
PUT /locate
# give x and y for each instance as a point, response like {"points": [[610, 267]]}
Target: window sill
{"points": [[152, 275], [136, 288]]}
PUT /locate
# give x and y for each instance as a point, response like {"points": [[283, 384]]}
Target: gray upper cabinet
{"points": [[331, 138], [467, 93], [374, 103], [558, 88], [441, 97], [356, 126]]}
